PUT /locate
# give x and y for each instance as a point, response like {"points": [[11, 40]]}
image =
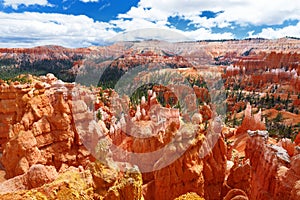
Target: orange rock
{"points": [[295, 194], [288, 145], [239, 178], [202, 173], [273, 172], [236, 194], [17, 152], [36, 176], [40, 130], [297, 139], [251, 122]]}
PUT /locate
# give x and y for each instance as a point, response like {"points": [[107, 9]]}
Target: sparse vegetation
{"points": [[10, 68], [99, 115]]}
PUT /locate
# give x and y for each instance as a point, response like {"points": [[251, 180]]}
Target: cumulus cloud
{"points": [[272, 33], [33, 29], [30, 28], [151, 33], [207, 34], [155, 14], [243, 12], [138, 29], [15, 3]]}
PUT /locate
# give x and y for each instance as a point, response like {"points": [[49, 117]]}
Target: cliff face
{"points": [[262, 168], [36, 127], [42, 52], [274, 174], [252, 56], [259, 71], [172, 155], [51, 127], [42, 148], [249, 64]]}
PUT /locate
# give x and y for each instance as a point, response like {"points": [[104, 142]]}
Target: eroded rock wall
{"points": [[274, 174], [37, 128]]}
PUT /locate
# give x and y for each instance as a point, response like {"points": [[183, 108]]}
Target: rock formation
{"points": [[274, 174], [95, 182], [184, 157], [62, 140], [236, 194], [52, 128], [259, 71], [42, 147], [36, 176], [239, 178], [38, 129], [251, 122], [52, 134]]}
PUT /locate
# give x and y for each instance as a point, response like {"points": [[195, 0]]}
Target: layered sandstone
{"points": [[274, 174], [251, 121], [39, 128], [49, 126], [53, 127], [173, 155], [43, 147]]}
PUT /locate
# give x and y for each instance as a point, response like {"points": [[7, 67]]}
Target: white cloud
{"points": [[15, 3], [137, 23], [30, 29], [207, 34], [86, 1], [242, 12], [270, 33], [141, 28], [155, 14], [33, 29], [151, 33]]}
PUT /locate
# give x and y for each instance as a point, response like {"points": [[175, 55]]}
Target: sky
{"points": [[83, 23]]}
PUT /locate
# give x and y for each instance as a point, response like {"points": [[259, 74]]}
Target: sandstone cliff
{"points": [[36, 121], [274, 174], [172, 154], [42, 148]]}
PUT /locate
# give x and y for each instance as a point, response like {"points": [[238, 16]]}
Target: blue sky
{"points": [[81, 23]]}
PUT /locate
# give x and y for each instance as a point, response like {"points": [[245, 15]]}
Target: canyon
{"points": [[206, 120]]}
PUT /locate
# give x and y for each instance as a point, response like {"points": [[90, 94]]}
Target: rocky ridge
{"points": [[41, 148], [53, 128]]}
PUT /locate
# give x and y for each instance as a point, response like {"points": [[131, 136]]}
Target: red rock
{"points": [[297, 139], [236, 194], [273, 175], [36, 176], [45, 125], [239, 178], [200, 171], [295, 194], [251, 122], [39, 131], [288, 145], [16, 152]]}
